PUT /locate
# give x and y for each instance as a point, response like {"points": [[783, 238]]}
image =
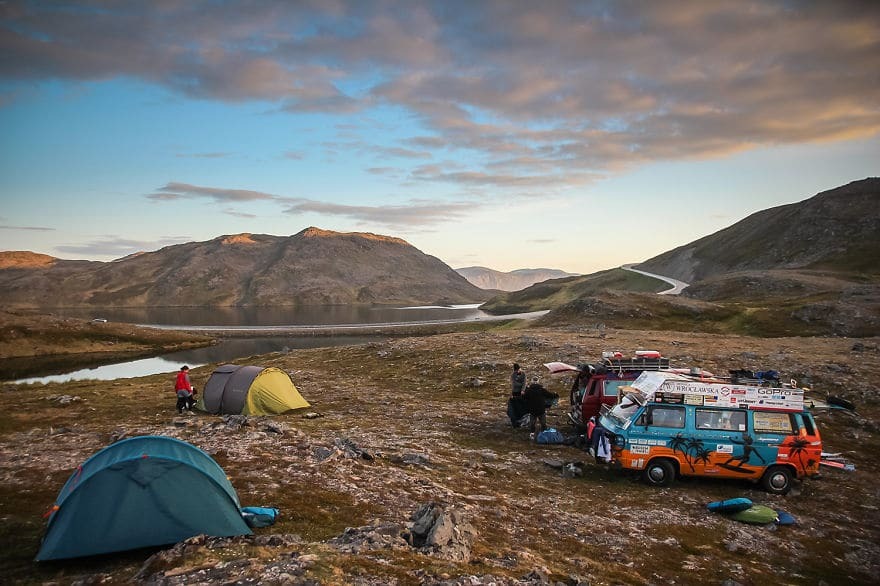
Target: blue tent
{"points": [[141, 492]]}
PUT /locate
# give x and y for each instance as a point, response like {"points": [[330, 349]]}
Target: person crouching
{"points": [[184, 390]]}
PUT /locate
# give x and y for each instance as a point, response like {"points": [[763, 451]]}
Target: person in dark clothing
{"points": [[517, 381], [536, 398]]}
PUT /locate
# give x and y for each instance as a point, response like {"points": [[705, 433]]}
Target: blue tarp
{"points": [[141, 492]]}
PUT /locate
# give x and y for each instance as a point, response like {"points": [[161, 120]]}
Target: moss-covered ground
{"points": [[430, 412]]}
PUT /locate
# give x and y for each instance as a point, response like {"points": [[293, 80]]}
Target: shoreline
{"points": [[385, 328]]}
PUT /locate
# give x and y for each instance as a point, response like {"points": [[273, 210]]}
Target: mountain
{"points": [[809, 268], [836, 230], [511, 281], [22, 259], [309, 268], [557, 292]]}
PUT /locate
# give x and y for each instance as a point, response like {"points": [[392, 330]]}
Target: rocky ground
{"points": [[406, 470]]}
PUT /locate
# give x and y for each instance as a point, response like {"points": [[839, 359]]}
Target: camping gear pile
{"points": [[745, 511]]}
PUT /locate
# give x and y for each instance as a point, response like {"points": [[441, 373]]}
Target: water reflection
{"points": [[276, 316], [227, 351], [59, 369]]}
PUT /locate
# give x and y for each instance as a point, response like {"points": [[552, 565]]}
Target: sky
{"points": [[512, 134]]}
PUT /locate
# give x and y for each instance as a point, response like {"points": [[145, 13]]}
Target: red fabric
{"points": [[182, 382]]}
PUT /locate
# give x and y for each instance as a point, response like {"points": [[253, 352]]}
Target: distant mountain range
{"points": [[809, 267], [313, 267], [510, 281]]}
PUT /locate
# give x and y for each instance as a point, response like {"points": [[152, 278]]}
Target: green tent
{"points": [[250, 390], [141, 492]]}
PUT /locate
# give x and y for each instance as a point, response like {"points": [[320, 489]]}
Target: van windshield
{"points": [[622, 413]]}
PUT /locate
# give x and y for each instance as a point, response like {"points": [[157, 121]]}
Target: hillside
{"points": [[490, 279], [557, 292], [811, 268], [309, 268], [837, 230]]}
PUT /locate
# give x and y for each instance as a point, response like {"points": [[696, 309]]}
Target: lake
{"points": [[226, 351], [319, 315], [237, 318]]}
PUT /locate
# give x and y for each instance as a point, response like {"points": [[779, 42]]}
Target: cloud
{"points": [[116, 247], [174, 191], [27, 228], [203, 155], [382, 170], [238, 214], [562, 92], [414, 214], [403, 153]]}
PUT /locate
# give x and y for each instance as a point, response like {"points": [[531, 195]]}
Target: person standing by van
{"points": [[517, 381], [184, 390]]}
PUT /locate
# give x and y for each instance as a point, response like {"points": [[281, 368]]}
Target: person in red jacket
{"points": [[184, 390]]}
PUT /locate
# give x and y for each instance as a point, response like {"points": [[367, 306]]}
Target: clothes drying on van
{"points": [[141, 492], [250, 390]]}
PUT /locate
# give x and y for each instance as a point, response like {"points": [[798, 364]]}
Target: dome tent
{"points": [[250, 390], [141, 492]]}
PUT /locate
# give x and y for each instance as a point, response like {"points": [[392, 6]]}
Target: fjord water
{"points": [[232, 349], [227, 351], [316, 315]]}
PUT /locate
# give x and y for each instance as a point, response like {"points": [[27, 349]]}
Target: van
{"points": [[668, 425], [599, 384]]}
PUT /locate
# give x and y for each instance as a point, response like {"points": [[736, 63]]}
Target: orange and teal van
{"points": [[669, 425]]}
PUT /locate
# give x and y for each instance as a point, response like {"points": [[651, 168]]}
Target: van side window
{"points": [[612, 387], [809, 425], [769, 422], [721, 419], [658, 416], [594, 386]]}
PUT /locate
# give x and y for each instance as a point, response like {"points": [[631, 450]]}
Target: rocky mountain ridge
{"points": [[313, 267]]}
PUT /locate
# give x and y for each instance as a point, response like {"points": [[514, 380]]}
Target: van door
{"points": [[772, 429], [592, 397], [722, 444], [660, 425], [804, 451]]}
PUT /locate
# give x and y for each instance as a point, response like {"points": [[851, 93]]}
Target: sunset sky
{"points": [[509, 134]]}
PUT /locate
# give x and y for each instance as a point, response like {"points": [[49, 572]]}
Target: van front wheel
{"points": [[659, 473], [777, 480]]}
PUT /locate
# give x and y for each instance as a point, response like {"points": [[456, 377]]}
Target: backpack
{"points": [[259, 516], [550, 436]]}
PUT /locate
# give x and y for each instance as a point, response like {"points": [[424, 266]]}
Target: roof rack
{"points": [[636, 363], [756, 382]]}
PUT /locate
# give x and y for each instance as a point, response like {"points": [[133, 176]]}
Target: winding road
{"points": [[677, 286]]}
